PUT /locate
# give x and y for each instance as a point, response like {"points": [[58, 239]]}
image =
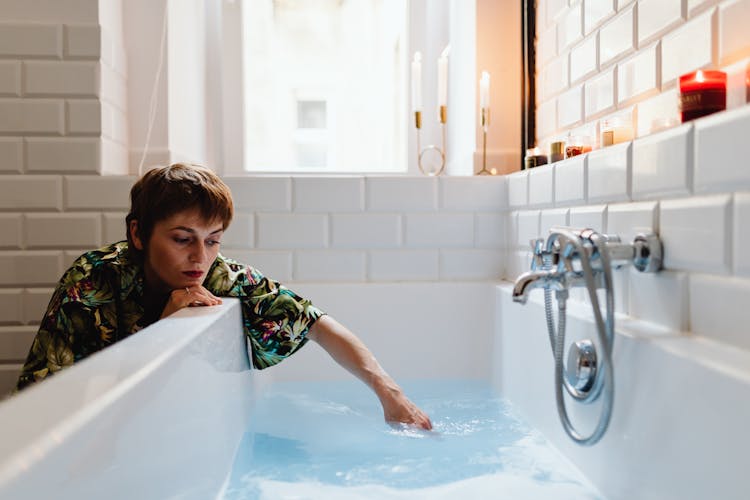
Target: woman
{"points": [[171, 261]]}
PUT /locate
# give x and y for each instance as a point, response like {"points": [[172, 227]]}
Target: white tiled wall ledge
{"points": [[704, 156]]}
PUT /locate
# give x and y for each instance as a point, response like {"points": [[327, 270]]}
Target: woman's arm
{"points": [[352, 354]]}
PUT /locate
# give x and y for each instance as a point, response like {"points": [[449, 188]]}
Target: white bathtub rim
{"points": [[32, 445]]}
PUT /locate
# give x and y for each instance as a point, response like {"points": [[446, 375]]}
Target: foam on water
{"points": [[328, 440]]}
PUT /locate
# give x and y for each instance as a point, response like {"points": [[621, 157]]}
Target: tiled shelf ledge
{"points": [[708, 155]]}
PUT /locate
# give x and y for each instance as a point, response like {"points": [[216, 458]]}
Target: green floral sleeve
{"points": [[52, 349], [275, 319], [74, 326]]}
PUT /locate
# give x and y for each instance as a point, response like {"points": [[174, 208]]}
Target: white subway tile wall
{"points": [[541, 185], [10, 78], [647, 299], [617, 37], [638, 76], [54, 79], [591, 216], [528, 228], [741, 232], [718, 308], [15, 342], [11, 151], [328, 194], [570, 26], [734, 37], [518, 189], [570, 181], [595, 11], [583, 59], [662, 164], [641, 50], [721, 161], [553, 217], [609, 174], [10, 231], [82, 41], [600, 93], [689, 47], [697, 233], [570, 107], [656, 17], [658, 108]]}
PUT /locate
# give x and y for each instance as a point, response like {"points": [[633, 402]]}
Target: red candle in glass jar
{"points": [[702, 93]]}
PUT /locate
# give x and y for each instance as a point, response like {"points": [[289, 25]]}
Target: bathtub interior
{"points": [[160, 414]]}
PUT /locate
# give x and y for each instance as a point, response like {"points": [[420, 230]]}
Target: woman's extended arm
{"points": [[352, 354]]}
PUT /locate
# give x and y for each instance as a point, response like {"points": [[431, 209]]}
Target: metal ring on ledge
{"points": [[432, 172]]}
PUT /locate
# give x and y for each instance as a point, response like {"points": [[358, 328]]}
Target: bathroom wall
{"points": [[690, 183], [62, 104], [55, 205]]}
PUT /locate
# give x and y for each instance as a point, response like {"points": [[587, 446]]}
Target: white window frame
{"points": [[431, 26]]}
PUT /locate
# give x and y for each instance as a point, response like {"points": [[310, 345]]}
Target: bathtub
{"points": [[161, 414]]}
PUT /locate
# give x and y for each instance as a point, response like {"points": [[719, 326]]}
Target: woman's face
{"points": [[180, 251]]}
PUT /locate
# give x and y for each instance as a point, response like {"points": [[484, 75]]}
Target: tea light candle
{"points": [[416, 82], [556, 151], [702, 93], [577, 145], [615, 131], [534, 158]]}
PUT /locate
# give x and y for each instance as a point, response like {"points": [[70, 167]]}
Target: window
{"points": [[325, 85]]}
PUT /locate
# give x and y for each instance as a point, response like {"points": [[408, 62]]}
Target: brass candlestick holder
{"points": [[431, 159], [485, 125]]}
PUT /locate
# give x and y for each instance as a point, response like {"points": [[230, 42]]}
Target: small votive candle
{"points": [[577, 145], [556, 151], [615, 131], [702, 93], [534, 158]]}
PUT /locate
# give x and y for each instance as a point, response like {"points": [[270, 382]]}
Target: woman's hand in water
{"points": [[189, 297], [397, 408]]}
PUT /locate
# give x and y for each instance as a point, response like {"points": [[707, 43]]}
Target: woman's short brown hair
{"points": [[163, 191]]}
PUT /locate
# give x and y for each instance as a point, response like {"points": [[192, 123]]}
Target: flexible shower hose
{"points": [[604, 378]]}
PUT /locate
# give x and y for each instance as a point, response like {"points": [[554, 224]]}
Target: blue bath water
{"points": [[327, 440]]}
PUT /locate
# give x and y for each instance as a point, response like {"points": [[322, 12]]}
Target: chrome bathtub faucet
{"points": [[570, 258], [549, 271]]}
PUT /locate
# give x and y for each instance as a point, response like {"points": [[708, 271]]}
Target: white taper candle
{"points": [[416, 82]]}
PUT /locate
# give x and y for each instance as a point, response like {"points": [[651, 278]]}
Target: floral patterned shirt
{"points": [[100, 300]]}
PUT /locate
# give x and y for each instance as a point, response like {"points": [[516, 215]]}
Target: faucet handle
{"points": [[537, 249], [537, 245]]}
